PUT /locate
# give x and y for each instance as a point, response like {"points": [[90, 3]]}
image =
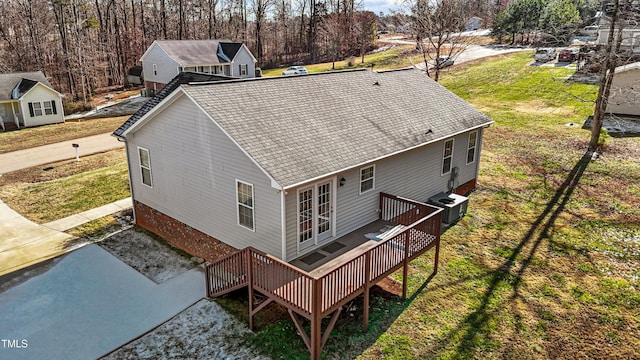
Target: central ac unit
{"points": [[454, 206]]}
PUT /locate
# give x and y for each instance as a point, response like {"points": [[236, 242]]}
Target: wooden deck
{"points": [[324, 287]]}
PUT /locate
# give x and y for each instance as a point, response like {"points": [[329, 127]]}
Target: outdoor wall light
{"points": [[342, 181]]}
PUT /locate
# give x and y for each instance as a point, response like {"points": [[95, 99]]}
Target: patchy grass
{"points": [[49, 134], [546, 262], [64, 188], [393, 58]]}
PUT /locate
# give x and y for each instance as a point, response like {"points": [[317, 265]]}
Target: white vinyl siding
{"points": [[415, 174], [40, 106], [145, 166], [447, 156], [367, 179], [244, 199], [195, 167]]}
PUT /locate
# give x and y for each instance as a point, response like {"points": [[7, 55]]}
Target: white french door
{"points": [[316, 216]]}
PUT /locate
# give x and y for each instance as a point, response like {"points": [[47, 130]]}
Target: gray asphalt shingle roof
{"points": [[194, 52], [10, 80], [303, 127], [181, 78]]}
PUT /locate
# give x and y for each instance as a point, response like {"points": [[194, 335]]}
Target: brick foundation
{"points": [[466, 188], [149, 85], [180, 234]]}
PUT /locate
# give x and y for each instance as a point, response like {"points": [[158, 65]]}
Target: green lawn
{"points": [[49, 134], [546, 264], [392, 58], [55, 199]]}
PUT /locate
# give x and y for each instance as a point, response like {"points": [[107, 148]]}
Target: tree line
{"points": [[82, 45]]}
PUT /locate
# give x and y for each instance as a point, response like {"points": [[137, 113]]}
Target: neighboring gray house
{"points": [[288, 164], [28, 99], [164, 59], [473, 23]]}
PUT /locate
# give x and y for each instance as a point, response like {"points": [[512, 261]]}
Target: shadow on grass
{"points": [[471, 331]]}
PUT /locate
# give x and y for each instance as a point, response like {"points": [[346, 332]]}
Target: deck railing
{"points": [[316, 297]]}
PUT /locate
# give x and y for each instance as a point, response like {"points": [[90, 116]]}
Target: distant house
{"points": [[473, 23], [164, 59], [624, 98], [28, 99], [630, 37], [308, 189], [135, 76]]}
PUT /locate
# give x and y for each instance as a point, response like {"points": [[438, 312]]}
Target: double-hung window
{"points": [[145, 166], [471, 149], [49, 107], [367, 178], [35, 109], [447, 156], [42, 108], [244, 197], [243, 69]]}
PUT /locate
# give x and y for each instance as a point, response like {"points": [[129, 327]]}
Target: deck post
{"points": [[249, 269], [367, 275], [316, 320], [405, 265], [435, 264]]}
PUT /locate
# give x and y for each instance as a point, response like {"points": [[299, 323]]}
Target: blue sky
{"points": [[377, 6]]}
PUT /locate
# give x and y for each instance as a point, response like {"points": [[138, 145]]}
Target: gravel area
{"points": [[153, 258], [203, 331]]}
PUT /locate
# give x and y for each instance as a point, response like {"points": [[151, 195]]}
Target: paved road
{"points": [[40, 155], [472, 52]]}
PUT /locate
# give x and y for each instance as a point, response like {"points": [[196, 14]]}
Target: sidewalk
{"points": [[24, 243], [22, 159]]}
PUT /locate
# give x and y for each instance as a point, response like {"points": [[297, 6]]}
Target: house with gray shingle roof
{"points": [[164, 59], [289, 164], [28, 99]]}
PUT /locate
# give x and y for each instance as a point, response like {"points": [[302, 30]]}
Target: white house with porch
{"points": [[28, 99]]}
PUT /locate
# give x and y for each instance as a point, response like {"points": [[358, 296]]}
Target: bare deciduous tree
{"points": [[438, 26]]}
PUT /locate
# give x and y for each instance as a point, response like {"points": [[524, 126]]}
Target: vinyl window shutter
{"points": [[31, 109], [53, 106]]}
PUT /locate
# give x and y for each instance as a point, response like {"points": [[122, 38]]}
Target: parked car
{"points": [[443, 62], [545, 54], [295, 70], [569, 54]]}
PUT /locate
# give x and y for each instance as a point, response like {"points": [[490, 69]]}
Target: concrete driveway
{"points": [[87, 304], [22, 159]]}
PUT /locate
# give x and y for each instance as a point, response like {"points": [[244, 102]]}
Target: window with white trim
{"points": [[243, 69], [42, 108], [48, 107], [244, 197], [35, 109], [145, 166], [367, 178], [155, 69], [447, 156], [471, 148]]}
